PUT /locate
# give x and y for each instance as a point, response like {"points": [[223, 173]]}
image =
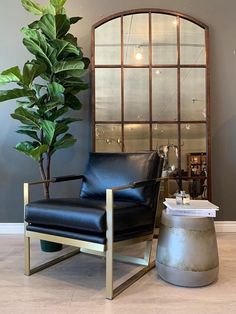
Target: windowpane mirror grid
{"points": [[193, 149], [164, 39], [165, 141], [157, 89], [136, 137], [136, 94], [136, 39], [108, 43], [193, 94], [107, 94], [108, 138], [164, 94], [192, 43]]}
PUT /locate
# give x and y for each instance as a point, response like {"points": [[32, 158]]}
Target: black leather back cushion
{"points": [[107, 170]]}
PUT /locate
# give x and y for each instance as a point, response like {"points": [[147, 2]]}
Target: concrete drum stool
{"points": [[187, 253]]}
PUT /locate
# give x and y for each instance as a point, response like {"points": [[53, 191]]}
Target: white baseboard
{"points": [[225, 226], [18, 228], [11, 228]]}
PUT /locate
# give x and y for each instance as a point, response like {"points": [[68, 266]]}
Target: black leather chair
{"points": [[116, 207]]}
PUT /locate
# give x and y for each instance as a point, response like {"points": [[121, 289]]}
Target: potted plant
{"points": [[47, 86]]}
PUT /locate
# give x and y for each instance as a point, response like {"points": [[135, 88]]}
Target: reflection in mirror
{"points": [[164, 39], [193, 149], [165, 141], [192, 43], [136, 137], [108, 43], [193, 158], [108, 138], [136, 94], [164, 94], [108, 94], [136, 39], [193, 94]]}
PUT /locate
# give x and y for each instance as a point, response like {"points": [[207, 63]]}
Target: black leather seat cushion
{"points": [[90, 237], [87, 216], [107, 170]]}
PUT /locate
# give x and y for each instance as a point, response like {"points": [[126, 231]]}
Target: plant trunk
{"points": [[45, 176], [47, 246]]}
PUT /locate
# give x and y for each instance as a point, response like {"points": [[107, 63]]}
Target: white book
{"points": [[191, 213], [194, 205]]}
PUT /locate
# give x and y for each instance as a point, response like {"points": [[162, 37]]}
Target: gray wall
{"points": [[218, 14]]}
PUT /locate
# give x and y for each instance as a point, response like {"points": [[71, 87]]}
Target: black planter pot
{"points": [[47, 246]]}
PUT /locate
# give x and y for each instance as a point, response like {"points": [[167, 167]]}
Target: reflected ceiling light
{"points": [[204, 113], [187, 126], [138, 53], [175, 22], [158, 72]]}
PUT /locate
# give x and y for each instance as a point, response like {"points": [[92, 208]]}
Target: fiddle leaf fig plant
{"points": [[48, 85]]}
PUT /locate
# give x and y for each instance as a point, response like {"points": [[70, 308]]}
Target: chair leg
{"points": [[148, 252], [26, 256], [27, 269], [148, 265], [109, 274]]}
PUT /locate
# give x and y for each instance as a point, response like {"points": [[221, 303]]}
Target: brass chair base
{"points": [[110, 291]]}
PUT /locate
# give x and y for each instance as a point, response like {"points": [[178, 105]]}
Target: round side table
{"points": [[187, 253]]}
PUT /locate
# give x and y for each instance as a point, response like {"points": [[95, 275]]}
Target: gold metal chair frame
{"points": [[106, 250]]}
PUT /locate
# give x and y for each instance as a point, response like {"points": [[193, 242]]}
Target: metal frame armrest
{"points": [[136, 184], [27, 185]]}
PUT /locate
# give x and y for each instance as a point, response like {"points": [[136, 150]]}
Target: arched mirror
{"points": [[151, 91]]}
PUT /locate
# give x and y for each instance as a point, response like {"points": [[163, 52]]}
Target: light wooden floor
{"points": [[78, 286]]}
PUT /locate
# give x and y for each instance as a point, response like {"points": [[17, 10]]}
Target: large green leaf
{"points": [[50, 106], [15, 93], [86, 62], [66, 141], [58, 5], [29, 150], [60, 112], [72, 73], [26, 117], [61, 128], [73, 102], [54, 26], [68, 66], [32, 7], [75, 19], [13, 70], [31, 71], [8, 78], [37, 50], [68, 120], [65, 48], [71, 38], [36, 44], [30, 133], [48, 128], [77, 83], [56, 92]]}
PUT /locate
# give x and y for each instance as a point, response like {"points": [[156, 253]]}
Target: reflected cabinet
{"points": [[150, 75]]}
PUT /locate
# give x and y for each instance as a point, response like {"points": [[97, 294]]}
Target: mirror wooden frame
{"points": [[150, 66]]}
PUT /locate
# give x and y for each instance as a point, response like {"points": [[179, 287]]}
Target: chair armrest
{"points": [[27, 185], [67, 178], [136, 184], [57, 179]]}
